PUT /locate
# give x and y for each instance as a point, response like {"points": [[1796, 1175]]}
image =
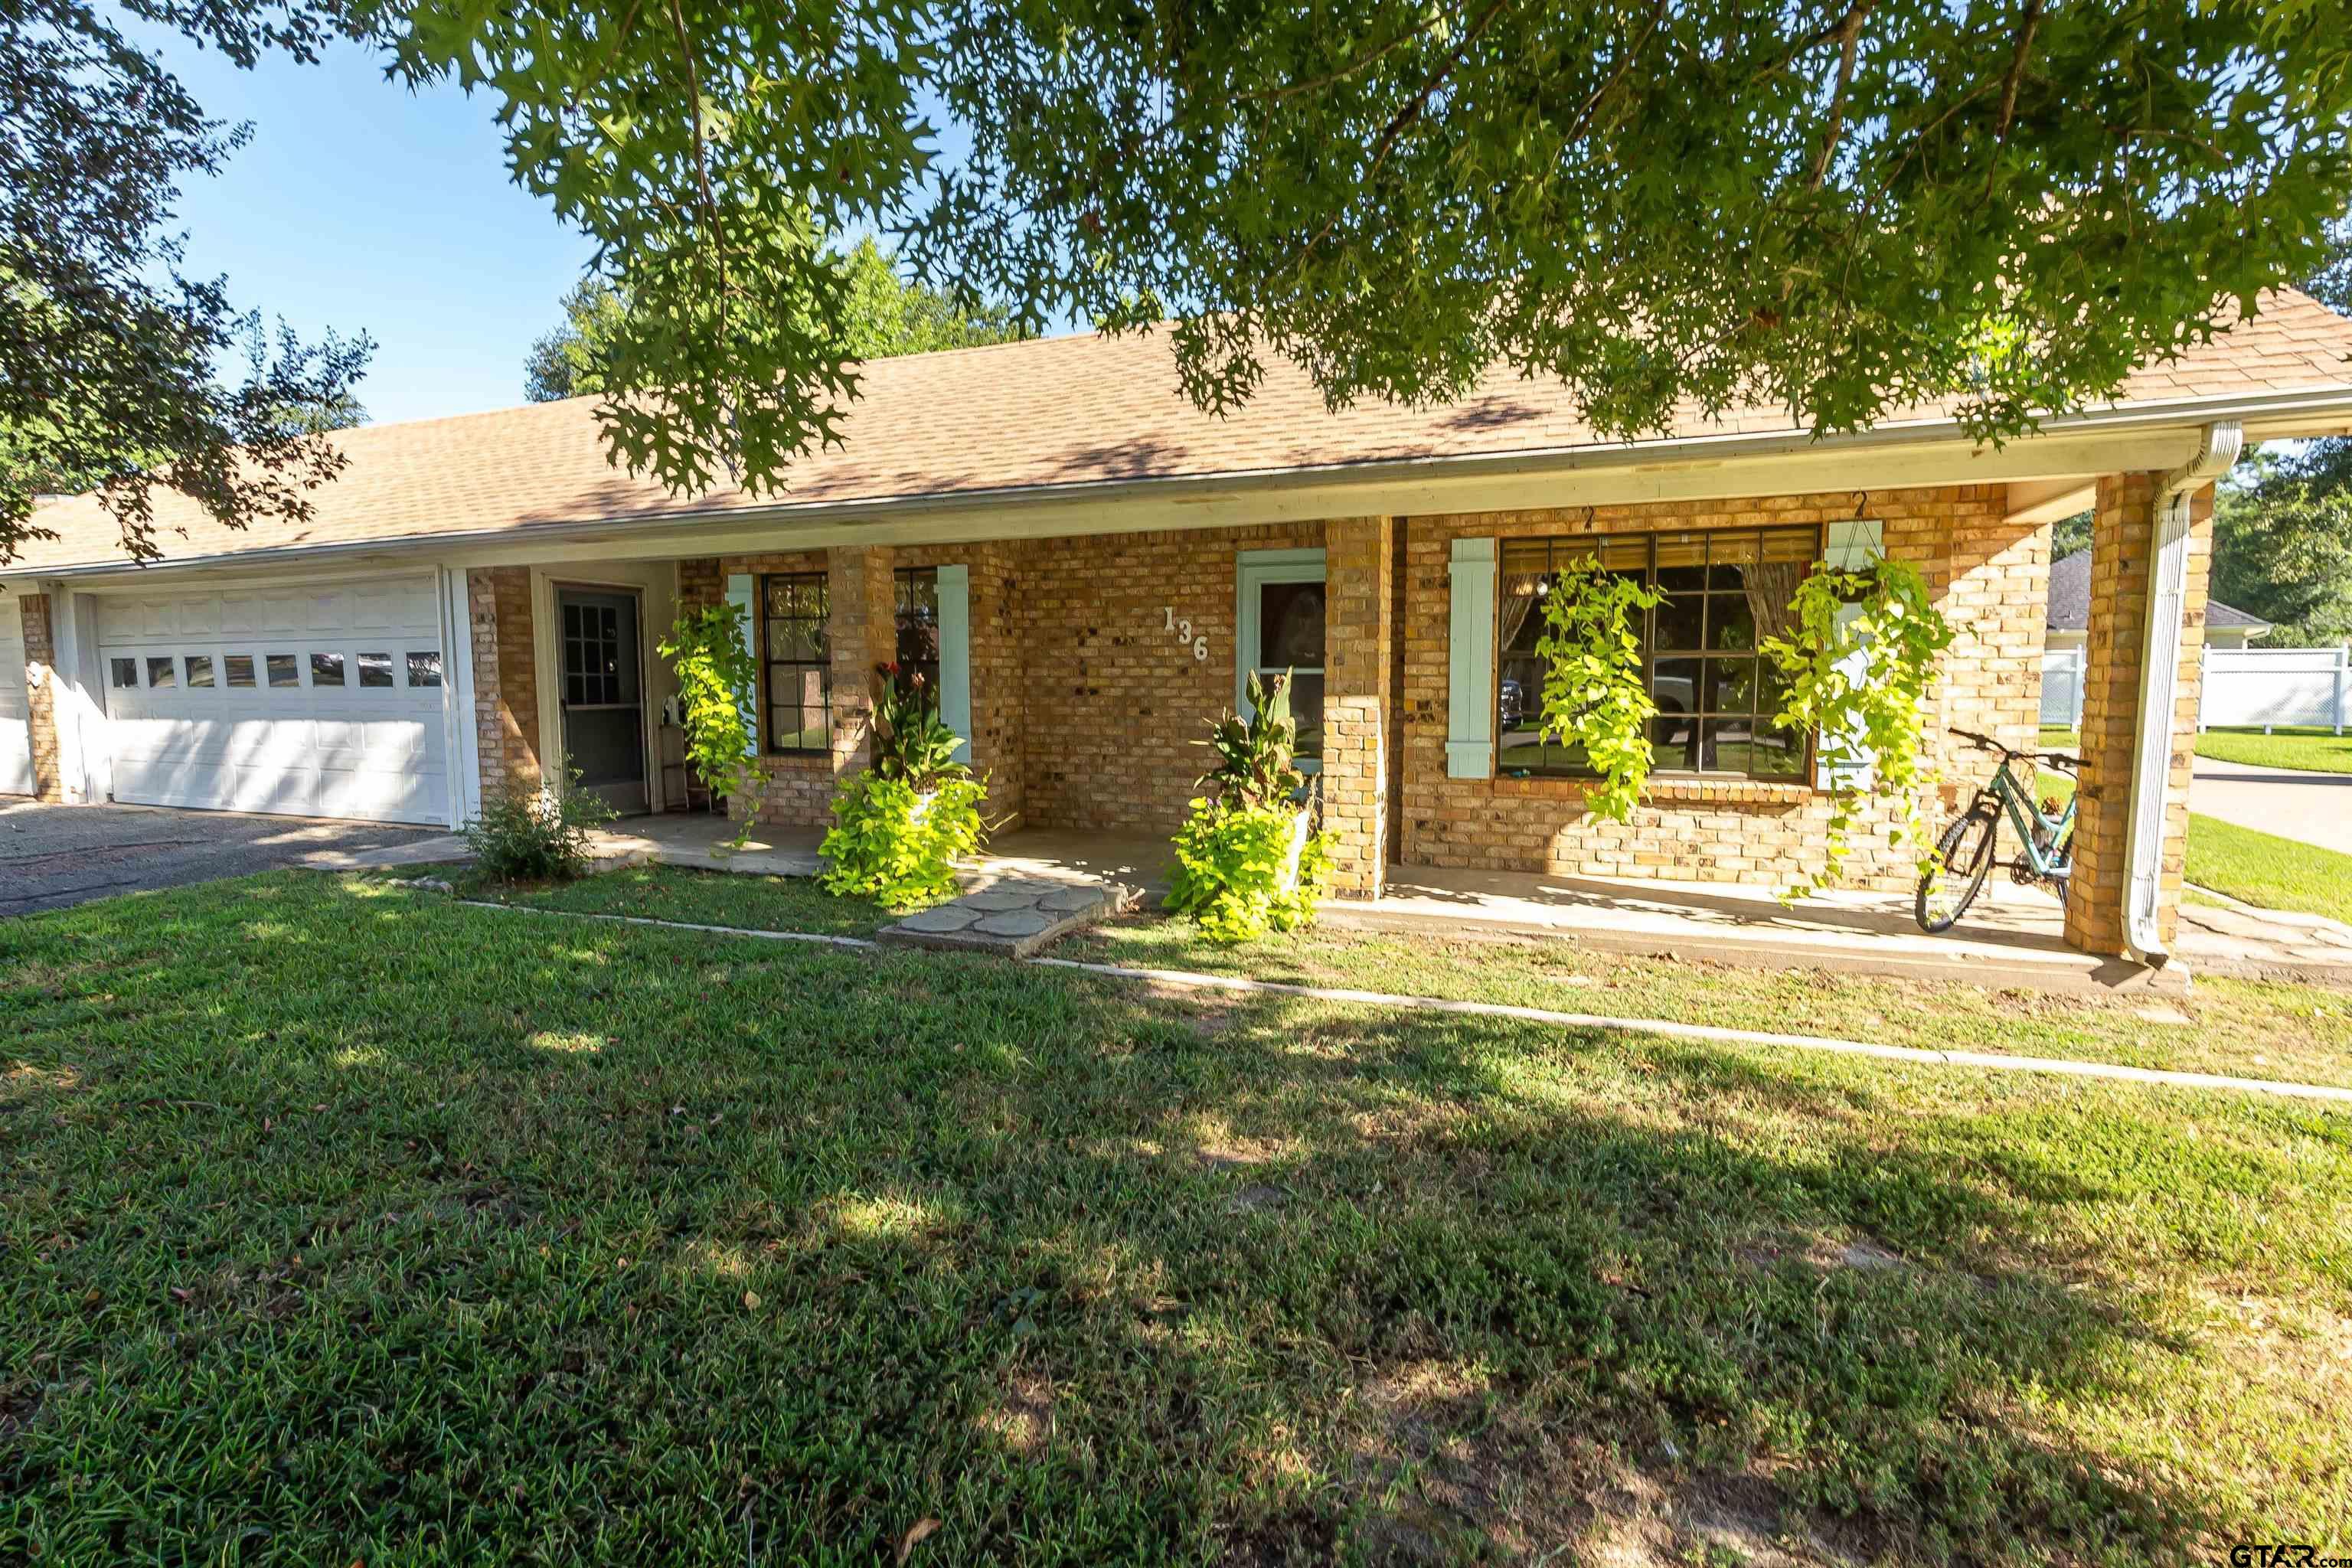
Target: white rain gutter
{"points": [[2159, 684]]}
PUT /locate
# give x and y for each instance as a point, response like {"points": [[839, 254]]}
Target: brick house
{"points": [[1091, 567]]}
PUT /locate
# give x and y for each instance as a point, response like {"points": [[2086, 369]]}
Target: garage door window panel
{"points": [[376, 670], [200, 671], [238, 668], [423, 667], [126, 673], [162, 674], [285, 670], [327, 669]]}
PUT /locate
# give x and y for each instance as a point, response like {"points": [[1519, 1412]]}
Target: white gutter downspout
{"points": [[2160, 682]]}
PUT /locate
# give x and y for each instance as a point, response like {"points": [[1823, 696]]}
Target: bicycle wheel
{"points": [[1964, 859]]}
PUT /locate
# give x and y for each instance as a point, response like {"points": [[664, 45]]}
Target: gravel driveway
{"points": [[52, 856]]}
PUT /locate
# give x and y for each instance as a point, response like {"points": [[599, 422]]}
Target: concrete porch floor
{"points": [[2013, 936]]}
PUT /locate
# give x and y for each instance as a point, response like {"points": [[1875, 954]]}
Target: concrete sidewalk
{"points": [[2013, 937]]}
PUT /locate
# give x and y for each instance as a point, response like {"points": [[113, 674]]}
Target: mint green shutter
{"points": [[1470, 663], [955, 655], [742, 592], [1852, 547]]}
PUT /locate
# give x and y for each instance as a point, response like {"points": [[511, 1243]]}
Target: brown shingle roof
{"points": [[1051, 412]]}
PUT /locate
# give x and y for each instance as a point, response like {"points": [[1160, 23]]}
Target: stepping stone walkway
{"points": [[1011, 916]]}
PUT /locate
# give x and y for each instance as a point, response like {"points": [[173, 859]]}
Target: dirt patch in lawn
{"points": [[1449, 1468]]}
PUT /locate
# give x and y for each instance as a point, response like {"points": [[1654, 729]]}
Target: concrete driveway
{"points": [[52, 856], [2312, 807]]}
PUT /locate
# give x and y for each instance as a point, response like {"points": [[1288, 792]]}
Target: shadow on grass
{"points": [[353, 1223]]}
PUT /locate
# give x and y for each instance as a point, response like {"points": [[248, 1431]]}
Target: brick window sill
{"points": [[1670, 791]]}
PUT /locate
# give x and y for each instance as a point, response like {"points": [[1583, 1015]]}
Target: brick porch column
{"points": [[506, 679], [1358, 674], [865, 632], [2123, 533], [41, 696]]}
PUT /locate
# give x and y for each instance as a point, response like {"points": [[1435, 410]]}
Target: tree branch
{"points": [[1849, 33], [2009, 88]]}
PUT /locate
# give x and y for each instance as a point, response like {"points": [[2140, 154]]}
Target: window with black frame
{"points": [[1724, 591], [918, 596], [797, 649]]}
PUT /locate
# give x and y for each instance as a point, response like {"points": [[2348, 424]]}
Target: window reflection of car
{"points": [[1513, 707]]}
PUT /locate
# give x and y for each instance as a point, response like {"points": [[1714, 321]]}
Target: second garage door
{"points": [[323, 700]]}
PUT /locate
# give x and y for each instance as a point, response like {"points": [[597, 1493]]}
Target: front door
{"points": [[604, 696]]}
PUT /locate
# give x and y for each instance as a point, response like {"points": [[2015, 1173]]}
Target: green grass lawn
{"points": [[2265, 870], [346, 1224], [705, 898], [2312, 751]]}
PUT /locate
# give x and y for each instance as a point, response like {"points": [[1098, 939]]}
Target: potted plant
{"points": [[1248, 858], [901, 827]]}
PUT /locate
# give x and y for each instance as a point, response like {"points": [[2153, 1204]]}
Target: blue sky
{"points": [[360, 205], [363, 206]]}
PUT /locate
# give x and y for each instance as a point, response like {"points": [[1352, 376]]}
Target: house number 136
{"points": [[1183, 632]]}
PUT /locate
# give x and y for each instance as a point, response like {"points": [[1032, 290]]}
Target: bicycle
{"points": [[1964, 853]]}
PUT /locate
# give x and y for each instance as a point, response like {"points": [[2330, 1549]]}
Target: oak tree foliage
{"points": [[887, 316], [113, 361], [1668, 205]]}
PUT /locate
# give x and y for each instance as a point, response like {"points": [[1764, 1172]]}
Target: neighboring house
{"points": [[2066, 620], [2067, 617], [1096, 566]]}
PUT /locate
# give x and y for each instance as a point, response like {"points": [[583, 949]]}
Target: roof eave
{"points": [[2120, 438]]}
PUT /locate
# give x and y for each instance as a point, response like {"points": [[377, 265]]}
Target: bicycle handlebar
{"points": [[2010, 753]]}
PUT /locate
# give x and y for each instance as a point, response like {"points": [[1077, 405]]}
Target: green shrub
{"points": [[901, 827], [897, 845], [1232, 866], [532, 835]]}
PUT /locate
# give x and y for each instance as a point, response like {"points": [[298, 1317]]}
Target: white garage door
{"points": [[318, 700], [15, 728]]}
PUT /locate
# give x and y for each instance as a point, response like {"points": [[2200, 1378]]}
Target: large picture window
{"points": [[798, 652], [1724, 592]]}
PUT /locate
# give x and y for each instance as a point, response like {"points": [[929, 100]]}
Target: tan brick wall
{"points": [[1358, 700], [40, 693], [1114, 702], [2123, 533], [506, 679], [1989, 576], [1087, 711], [801, 789], [864, 633]]}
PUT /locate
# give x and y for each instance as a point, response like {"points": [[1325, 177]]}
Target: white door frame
{"points": [[547, 654], [1253, 569]]}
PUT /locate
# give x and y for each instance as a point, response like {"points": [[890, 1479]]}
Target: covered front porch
{"points": [[1084, 670], [2013, 936]]}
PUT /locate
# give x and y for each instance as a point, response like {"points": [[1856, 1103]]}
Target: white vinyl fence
{"points": [[2256, 688], [2061, 689], [2244, 689]]}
